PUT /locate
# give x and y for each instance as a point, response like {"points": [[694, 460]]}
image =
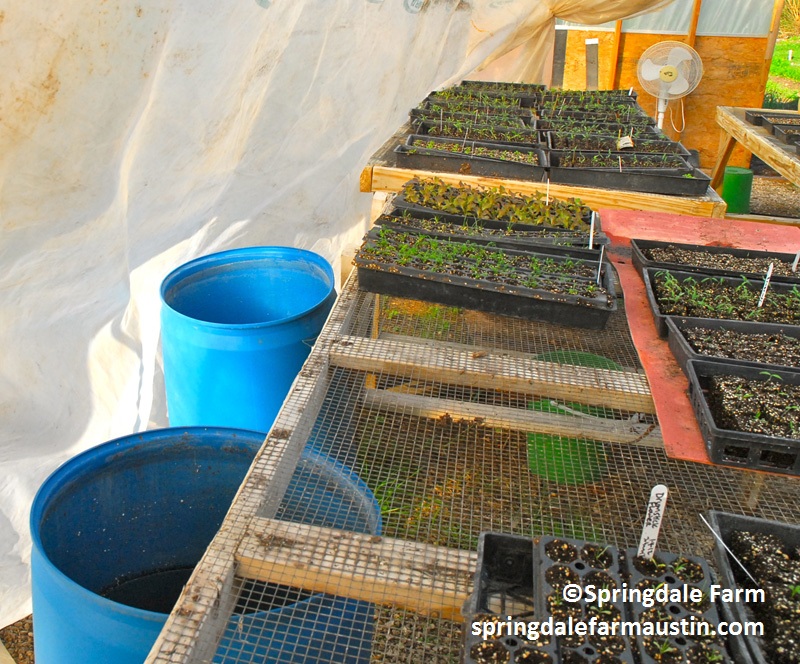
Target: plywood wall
{"points": [[735, 73]]}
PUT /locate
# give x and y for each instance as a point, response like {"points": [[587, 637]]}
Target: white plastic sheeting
{"points": [[734, 18], [137, 135]]}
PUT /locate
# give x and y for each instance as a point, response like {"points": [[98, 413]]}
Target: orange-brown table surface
{"points": [[682, 438]]}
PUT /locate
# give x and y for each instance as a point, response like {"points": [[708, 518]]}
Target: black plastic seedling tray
{"points": [[633, 117], [504, 588], [440, 160], [676, 610], [655, 145], [529, 137], [488, 296], [585, 563], [660, 318], [589, 126], [755, 115], [558, 234], [683, 351], [496, 120], [558, 245], [681, 180], [741, 449], [640, 260], [771, 121], [788, 134], [724, 524]]}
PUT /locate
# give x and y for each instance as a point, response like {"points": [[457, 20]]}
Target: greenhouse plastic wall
{"points": [[742, 18]]}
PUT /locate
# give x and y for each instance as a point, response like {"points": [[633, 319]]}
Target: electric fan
{"points": [[669, 70]]}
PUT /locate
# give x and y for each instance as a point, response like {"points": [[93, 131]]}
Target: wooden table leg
{"points": [[726, 145]]}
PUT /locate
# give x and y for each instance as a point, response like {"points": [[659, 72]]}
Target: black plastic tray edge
{"points": [[640, 261], [718, 440], [480, 298], [400, 202], [648, 183], [435, 162], [660, 319], [616, 572], [684, 352], [723, 523], [533, 245]]}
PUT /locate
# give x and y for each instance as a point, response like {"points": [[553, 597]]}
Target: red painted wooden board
{"points": [[668, 385]]}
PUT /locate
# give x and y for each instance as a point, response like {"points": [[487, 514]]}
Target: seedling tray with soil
{"points": [[477, 98], [657, 174], [479, 110], [770, 551], [762, 345], [749, 417], [578, 97], [695, 295], [478, 132], [521, 89], [676, 572], [755, 116], [502, 235], [629, 116], [769, 122], [787, 133], [586, 142], [564, 561], [589, 126], [443, 115], [463, 274], [433, 197], [490, 159], [712, 260], [504, 587]]}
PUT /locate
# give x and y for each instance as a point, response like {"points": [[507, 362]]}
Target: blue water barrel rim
{"points": [[242, 255]]}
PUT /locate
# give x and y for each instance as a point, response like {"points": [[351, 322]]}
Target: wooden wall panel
{"points": [[735, 74]]}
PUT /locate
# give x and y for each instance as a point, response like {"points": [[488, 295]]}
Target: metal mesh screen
{"points": [[428, 460]]}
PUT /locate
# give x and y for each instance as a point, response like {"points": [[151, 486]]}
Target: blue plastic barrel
{"points": [[236, 327], [117, 530]]}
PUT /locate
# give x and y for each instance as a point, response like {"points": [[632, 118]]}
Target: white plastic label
{"points": [[624, 142], [652, 521], [766, 285]]}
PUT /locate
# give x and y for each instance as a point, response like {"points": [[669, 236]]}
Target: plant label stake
{"points": [[652, 521], [591, 230], [600, 264], [725, 546], [620, 164], [547, 194], [766, 285], [630, 92], [796, 261], [624, 142]]}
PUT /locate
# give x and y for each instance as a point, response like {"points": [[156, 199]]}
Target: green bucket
{"points": [[561, 459], [737, 186]]}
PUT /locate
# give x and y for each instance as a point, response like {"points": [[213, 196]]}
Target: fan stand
{"points": [[661, 112]]}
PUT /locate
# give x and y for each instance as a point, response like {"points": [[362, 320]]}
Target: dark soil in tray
{"points": [[560, 141], [571, 159], [719, 261], [497, 203], [483, 151], [775, 565], [713, 297], [476, 230], [769, 407], [778, 349], [473, 132]]}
